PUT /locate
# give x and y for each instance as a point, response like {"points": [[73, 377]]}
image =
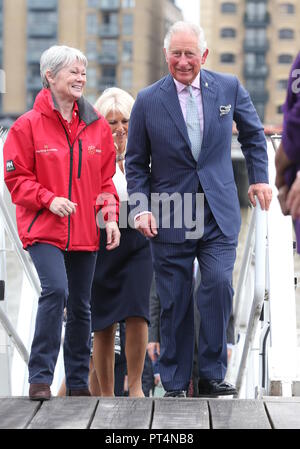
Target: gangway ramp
{"points": [[149, 413]]}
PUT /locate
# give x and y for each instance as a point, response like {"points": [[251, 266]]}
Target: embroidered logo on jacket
{"points": [[92, 149], [10, 166]]}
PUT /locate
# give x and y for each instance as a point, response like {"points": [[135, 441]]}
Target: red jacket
{"points": [[41, 164]]}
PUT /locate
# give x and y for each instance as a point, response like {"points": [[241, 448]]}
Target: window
{"points": [[227, 58], [286, 33], [279, 109], [287, 8], [93, 3], [127, 24], [282, 84], [92, 24], [285, 59], [228, 32], [35, 48], [109, 46], [127, 51], [109, 74], [38, 17], [256, 10], [91, 50], [92, 77], [128, 4], [228, 8], [126, 78]]}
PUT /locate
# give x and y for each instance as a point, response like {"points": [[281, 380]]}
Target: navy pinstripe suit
{"points": [[158, 160]]}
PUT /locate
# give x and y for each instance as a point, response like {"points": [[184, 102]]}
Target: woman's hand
{"points": [[62, 206], [112, 235]]}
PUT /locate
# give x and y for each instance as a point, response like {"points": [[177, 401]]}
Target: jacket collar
{"points": [[46, 104], [209, 90]]}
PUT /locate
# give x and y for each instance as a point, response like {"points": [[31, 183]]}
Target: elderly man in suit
{"points": [[179, 145]]}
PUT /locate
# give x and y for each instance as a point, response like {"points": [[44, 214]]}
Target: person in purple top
{"points": [[287, 158]]}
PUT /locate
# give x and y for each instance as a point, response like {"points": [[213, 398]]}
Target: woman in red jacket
{"points": [[59, 158]]}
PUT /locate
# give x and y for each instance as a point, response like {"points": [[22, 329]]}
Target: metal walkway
{"points": [[149, 413]]}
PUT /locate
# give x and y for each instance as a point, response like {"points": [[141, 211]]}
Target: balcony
{"points": [[259, 95], [257, 21], [256, 71], [42, 30], [106, 81], [110, 5], [108, 58], [42, 5], [256, 45], [33, 57], [108, 30], [34, 83]]}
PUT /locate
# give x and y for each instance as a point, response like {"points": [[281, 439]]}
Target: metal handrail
{"points": [[259, 288], [14, 237], [243, 274]]}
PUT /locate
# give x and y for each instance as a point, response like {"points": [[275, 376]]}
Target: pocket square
{"points": [[224, 110]]}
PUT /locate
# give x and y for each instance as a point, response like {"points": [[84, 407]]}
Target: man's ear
{"points": [[204, 56]]}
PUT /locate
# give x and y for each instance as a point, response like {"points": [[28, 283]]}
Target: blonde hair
{"points": [[114, 99], [57, 57]]}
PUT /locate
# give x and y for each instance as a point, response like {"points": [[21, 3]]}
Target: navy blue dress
{"points": [[122, 280]]}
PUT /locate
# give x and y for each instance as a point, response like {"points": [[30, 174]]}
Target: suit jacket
{"points": [[159, 158]]}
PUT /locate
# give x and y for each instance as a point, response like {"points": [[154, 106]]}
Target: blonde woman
{"points": [[122, 280]]}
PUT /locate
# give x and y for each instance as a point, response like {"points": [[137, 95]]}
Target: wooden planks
{"points": [[238, 414], [284, 415], [65, 413], [149, 413], [123, 413], [172, 413], [16, 413]]}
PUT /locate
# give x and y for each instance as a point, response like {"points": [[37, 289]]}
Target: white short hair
{"points": [[57, 57], [114, 99], [190, 27]]}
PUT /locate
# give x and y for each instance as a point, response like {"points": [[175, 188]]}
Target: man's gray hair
{"points": [[57, 57], [190, 27]]}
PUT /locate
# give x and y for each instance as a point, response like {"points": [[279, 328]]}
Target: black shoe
{"points": [[214, 388], [80, 392], [175, 394]]}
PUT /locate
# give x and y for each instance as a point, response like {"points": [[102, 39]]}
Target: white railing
{"points": [[15, 345], [265, 359]]}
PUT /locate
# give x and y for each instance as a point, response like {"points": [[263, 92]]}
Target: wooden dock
{"points": [[149, 413]]}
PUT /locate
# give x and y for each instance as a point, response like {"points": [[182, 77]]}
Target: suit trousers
{"points": [[173, 266], [66, 279]]}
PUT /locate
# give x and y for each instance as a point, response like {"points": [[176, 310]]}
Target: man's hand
{"points": [[153, 349], [113, 235], [146, 225], [293, 198], [62, 207], [263, 193]]}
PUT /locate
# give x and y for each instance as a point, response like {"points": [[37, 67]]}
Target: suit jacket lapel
{"points": [[172, 105], [209, 95]]}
